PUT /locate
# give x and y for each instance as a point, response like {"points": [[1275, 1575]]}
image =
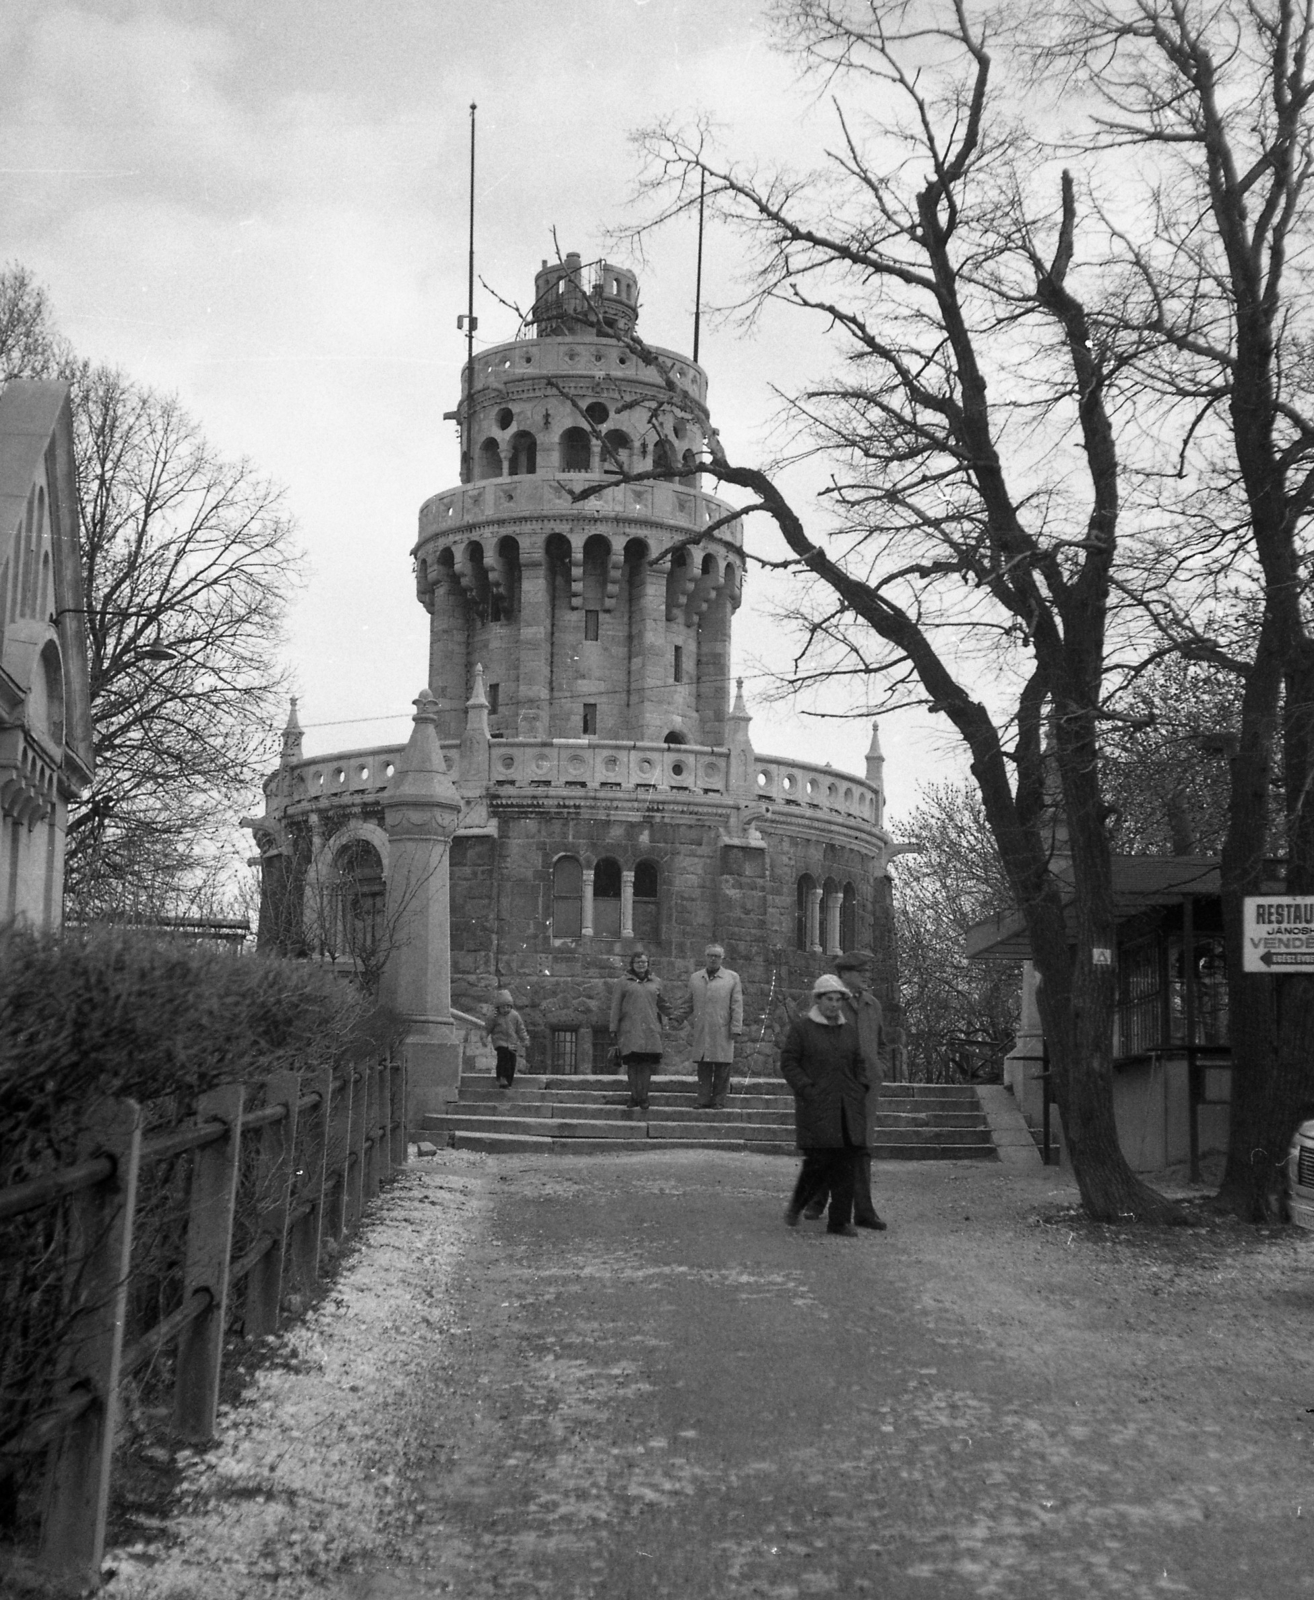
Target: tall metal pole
{"points": [[698, 282], [469, 299]]}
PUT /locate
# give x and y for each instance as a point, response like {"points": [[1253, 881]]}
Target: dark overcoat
{"points": [[823, 1065]]}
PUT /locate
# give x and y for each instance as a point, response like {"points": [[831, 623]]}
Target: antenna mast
{"points": [[470, 323], [698, 283]]}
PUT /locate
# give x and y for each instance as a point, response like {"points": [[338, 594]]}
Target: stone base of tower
{"points": [[433, 1074]]}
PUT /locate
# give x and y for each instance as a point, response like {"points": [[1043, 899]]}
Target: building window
{"points": [[803, 931], [565, 1050], [646, 924], [607, 899], [591, 625], [590, 717], [677, 668], [490, 459], [360, 895], [575, 451], [567, 898], [494, 696], [524, 455], [849, 918]]}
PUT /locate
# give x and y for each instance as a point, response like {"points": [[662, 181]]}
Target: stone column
{"points": [[741, 783], [533, 635], [447, 655], [627, 903], [833, 903], [586, 909], [421, 812], [473, 772]]}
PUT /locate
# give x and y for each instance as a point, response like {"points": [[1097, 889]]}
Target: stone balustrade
{"points": [[543, 494], [563, 358], [607, 765]]}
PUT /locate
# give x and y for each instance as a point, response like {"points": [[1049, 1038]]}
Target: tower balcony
{"points": [[355, 777], [512, 366], [505, 499]]}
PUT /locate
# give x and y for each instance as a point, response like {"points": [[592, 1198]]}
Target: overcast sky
{"points": [[261, 205]]}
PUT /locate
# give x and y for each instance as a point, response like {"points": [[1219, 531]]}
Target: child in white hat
{"points": [[509, 1036]]}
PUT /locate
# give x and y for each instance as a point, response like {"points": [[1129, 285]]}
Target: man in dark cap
{"points": [[863, 1008]]}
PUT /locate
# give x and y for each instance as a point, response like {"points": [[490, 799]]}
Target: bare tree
{"points": [[975, 456], [1214, 105], [188, 560], [958, 1015]]}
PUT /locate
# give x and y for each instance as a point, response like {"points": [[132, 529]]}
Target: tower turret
{"points": [[607, 617]]}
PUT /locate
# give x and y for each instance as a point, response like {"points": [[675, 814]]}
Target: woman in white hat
{"points": [[822, 1063]]}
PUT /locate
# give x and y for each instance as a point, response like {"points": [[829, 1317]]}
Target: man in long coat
{"points": [[822, 1063], [863, 1009], [716, 1001]]}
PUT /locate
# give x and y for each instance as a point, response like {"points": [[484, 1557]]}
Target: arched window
{"points": [[675, 737], [490, 459], [804, 912], [524, 454], [616, 456], [663, 457], [689, 477], [647, 925], [607, 899], [849, 918], [360, 895], [575, 453], [567, 898]]}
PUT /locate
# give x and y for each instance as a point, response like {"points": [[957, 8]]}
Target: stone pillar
{"points": [[447, 654], [627, 903], [1027, 1056], [533, 636], [586, 909], [834, 901], [713, 689], [421, 812], [814, 920]]}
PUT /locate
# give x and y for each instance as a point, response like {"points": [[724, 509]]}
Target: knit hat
{"points": [[503, 998], [828, 983]]}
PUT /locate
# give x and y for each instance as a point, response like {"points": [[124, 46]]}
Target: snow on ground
{"points": [[311, 1465]]}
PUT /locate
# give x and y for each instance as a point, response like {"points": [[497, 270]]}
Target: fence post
{"points": [[397, 1132], [304, 1245], [78, 1466], [373, 1103], [339, 1137], [384, 1165], [209, 1245], [277, 1168], [355, 1179]]}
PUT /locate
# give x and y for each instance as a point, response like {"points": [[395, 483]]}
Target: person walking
{"points": [[716, 1002], [638, 1008], [864, 1010], [508, 1035], [822, 1063]]}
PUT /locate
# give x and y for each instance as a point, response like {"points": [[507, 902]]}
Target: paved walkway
{"points": [[650, 1387], [668, 1393]]}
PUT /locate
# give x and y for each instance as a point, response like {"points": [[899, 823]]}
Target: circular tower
{"points": [[581, 586], [603, 618]]}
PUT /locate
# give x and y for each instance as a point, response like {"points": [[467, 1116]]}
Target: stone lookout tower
{"points": [[579, 664]]}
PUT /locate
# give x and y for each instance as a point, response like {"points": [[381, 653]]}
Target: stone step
{"points": [[522, 1144], [667, 1083], [924, 1136], [618, 1100], [595, 1111]]}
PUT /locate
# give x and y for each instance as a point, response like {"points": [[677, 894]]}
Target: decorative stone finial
{"points": [[292, 736], [476, 739]]}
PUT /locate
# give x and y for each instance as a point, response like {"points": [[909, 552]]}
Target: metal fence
{"points": [[322, 1148]]}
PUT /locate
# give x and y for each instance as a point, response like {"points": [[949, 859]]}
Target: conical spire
{"points": [[742, 758], [292, 736], [476, 739], [421, 773], [876, 772]]}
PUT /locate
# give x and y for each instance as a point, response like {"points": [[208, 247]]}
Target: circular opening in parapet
{"points": [[678, 769], [505, 417], [597, 413]]}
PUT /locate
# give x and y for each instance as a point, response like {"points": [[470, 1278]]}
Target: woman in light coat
{"points": [[638, 1008]]}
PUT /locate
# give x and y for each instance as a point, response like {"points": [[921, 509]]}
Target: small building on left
{"points": [[45, 696]]}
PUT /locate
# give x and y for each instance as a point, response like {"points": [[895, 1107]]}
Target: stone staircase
{"points": [[588, 1115]]}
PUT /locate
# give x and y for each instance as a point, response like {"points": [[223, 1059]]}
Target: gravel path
{"points": [[622, 1377]]}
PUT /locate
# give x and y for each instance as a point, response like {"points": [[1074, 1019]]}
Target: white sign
{"points": [[1279, 934]]}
